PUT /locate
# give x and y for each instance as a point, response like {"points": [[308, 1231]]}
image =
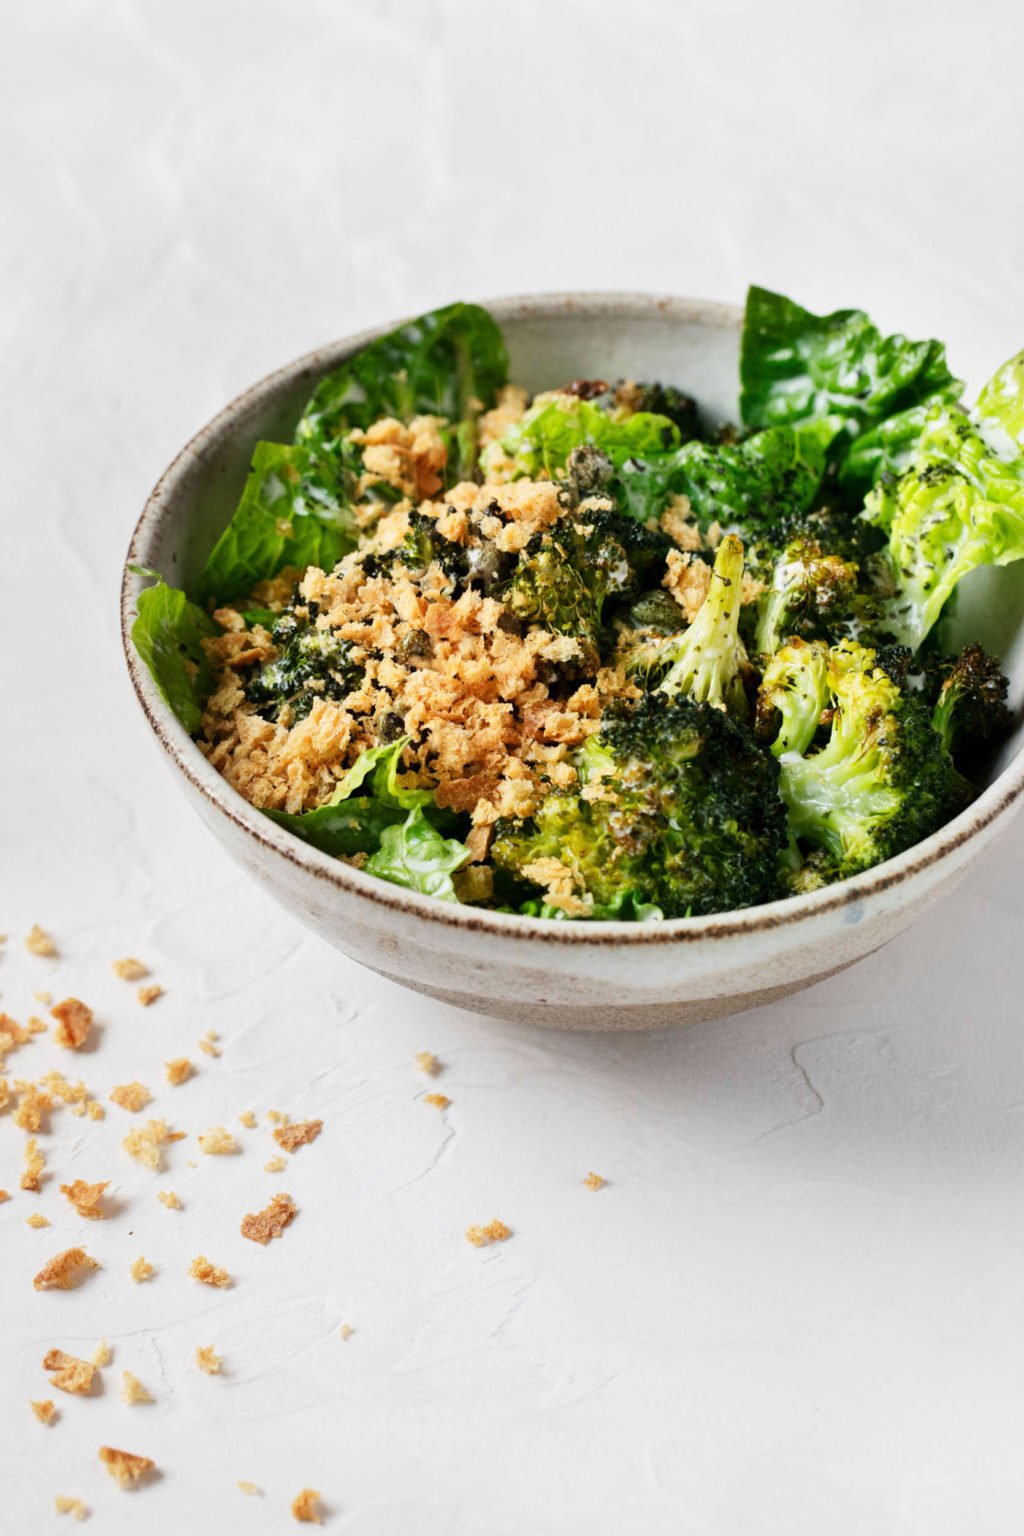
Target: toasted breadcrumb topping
{"points": [[39, 942], [439, 1100], [131, 1096], [208, 1360], [208, 1274], [168, 1198], [124, 1467], [102, 1355], [217, 1141], [87, 1199], [208, 1044], [269, 1223], [69, 1373], [142, 1270], [495, 1232], [33, 1107], [3, 1196], [130, 969], [298, 1135], [132, 1390], [276, 1165], [145, 1142], [253, 1491], [35, 1162], [178, 1071], [248, 1119], [147, 995], [74, 1021], [37, 1219], [65, 1270], [345, 1331], [44, 1410], [68, 1506], [306, 1507], [594, 1181], [427, 1062]]}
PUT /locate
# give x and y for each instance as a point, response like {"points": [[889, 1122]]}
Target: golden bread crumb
{"points": [[43, 997], [147, 995], [250, 1488], [247, 1118], [130, 969], [69, 1373], [298, 1135], [74, 1021], [86, 1198], [3, 1196], [208, 1048], [35, 1162], [495, 1232], [306, 1507], [201, 1269], [44, 1409], [125, 1468], [142, 1270], [102, 1354], [276, 1165], [33, 1107], [178, 1071], [217, 1141], [345, 1331], [276, 1118], [427, 1062], [38, 942], [168, 1198], [594, 1181], [208, 1360], [262, 1226], [37, 1219], [65, 1506], [439, 1100], [132, 1390], [132, 1096], [144, 1143], [65, 1270]]}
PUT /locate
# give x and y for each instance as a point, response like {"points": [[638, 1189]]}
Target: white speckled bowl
{"points": [[566, 975]]}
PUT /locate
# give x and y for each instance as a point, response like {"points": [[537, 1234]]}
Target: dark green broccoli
{"points": [[567, 575], [812, 593], [969, 693], [422, 546], [662, 400], [881, 781], [310, 664], [678, 805]]}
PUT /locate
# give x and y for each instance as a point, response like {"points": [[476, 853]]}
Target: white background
{"points": [[796, 1307]]}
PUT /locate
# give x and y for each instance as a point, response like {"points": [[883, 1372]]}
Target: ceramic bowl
{"points": [[566, 975]]}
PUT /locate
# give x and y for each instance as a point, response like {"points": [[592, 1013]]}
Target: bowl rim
{"points": [[994, 802]]}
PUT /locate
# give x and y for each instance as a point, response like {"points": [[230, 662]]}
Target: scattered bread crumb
{"points": [[306, 1507], [125, 1468], [38, 942], [147, 995], [95, 1110], [178, 1071], [132, 1390], [297, 1135], [142, 1270], [208, 1043], [33, 1107], [102, 1355], [251, 1489], [75, 1507], [201, 1269], [264, 1225], [35, 1162], [65, 1270], [345, 1331], [495, 1232], [3, 1196], [594, 1181], [86, 1198], [168, 1198], [129, 969], [427, 1062], [145, 1142], [74, 1021], [69, 1373], [217, 1141], [44, 1410], [439, 1100], [247, 1118], [43, 997], [133, 1096], [208, 1360], [276, 1165], [37, 1219]]}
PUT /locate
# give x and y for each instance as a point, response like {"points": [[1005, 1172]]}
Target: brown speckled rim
{"points": [[994, 803]]}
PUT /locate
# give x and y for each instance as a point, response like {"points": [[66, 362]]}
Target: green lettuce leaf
{"points": [[355, 826], [168, 635], [1001, 402], [448, 363], [543, 439], [416, 856], [293, 511]]}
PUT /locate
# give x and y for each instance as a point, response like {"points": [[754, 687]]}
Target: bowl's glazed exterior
{"points": [[565, 975]]}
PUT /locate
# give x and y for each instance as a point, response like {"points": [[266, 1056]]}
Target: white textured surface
{"points": [[796, 1306]]}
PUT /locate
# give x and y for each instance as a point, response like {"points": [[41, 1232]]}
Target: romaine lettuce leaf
{"points": [[354, 826], [168, 635], [416, 856], [1001, 402]]}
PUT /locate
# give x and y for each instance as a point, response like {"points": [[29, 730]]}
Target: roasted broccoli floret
{"points": [[566, 576], [662, 400], [678, 804], [969, 691], [423, 545], [310, 664], [812, 591], [880, 782], [704, 662]]}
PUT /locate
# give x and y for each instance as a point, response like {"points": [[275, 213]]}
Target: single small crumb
{"points": [[33, 1107], [3, 1196], [178, 1071], [276, 1165], [217, 1141], [208, 1044], [145, 1142], [43, 997], [125, 1468], [133, 1096], [251, 1489], [65, 1270], [345, 1331], [129, 969], [75, 1507], [495, 1232], [168, 1198], [427, 1062], [37, 1219], [74, 1021], [264, 1225], [306, 1507], [132, 1390], [209, 1274], [38, 942], [147, 995], [247, 1118], [439, 1100], [69, 1373], [39, 1026], [594, 1181], [297, 1135], [44, 1410], [102, 1354], [95, 1110], [86, 1198], [35, 1162], [208, 1360], [142, 1270], [276, 1118]]}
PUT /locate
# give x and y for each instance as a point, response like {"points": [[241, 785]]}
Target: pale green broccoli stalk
{"points": [[794, 692]]}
